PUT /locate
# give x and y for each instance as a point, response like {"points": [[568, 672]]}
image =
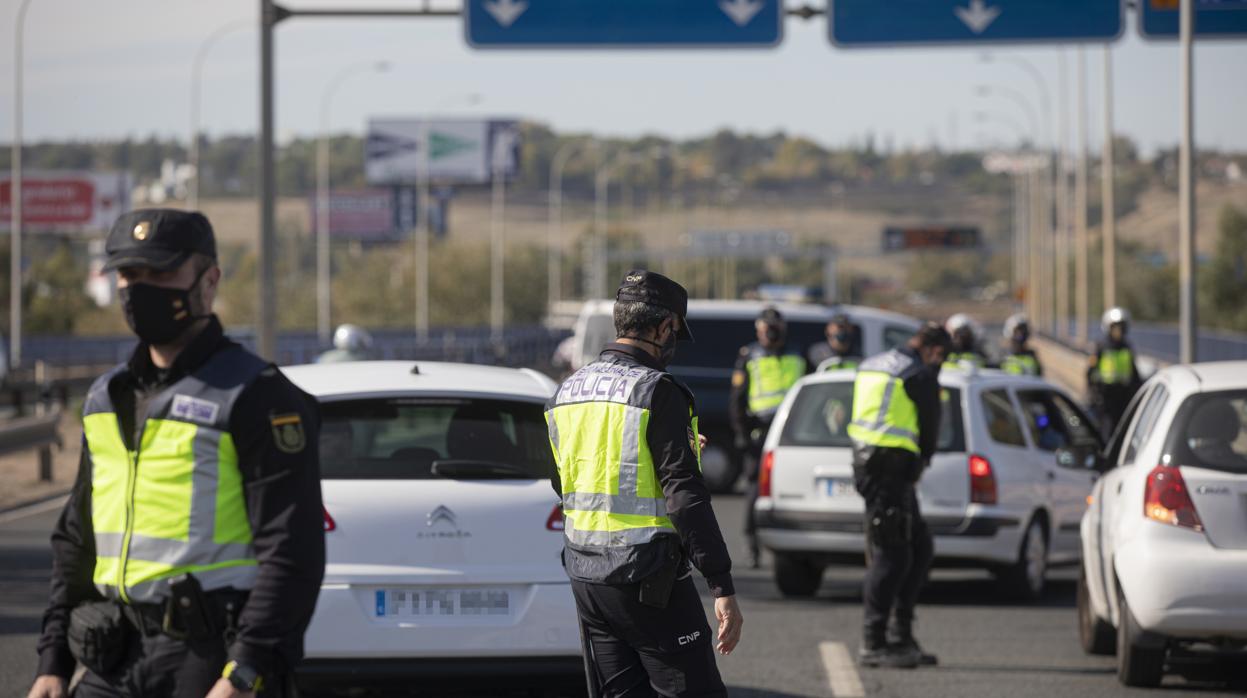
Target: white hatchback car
{"points": [[994, 496], [443, 534], [1165, 539]]}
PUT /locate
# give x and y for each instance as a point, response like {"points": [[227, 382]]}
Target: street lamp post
{"points": [[601, 206], [423, 204], [1108, 203], [554, 243], [1081, 302], [15, 196], [323, 270], [1187, 302], [192, 198]]}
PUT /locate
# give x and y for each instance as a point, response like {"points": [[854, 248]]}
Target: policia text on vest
{"points": [[189, 556]]}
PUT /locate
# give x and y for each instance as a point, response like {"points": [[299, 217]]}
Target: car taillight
{"points": [[330, 524], [982, 481], [1167, 500], [555, 521], [764, 474]]}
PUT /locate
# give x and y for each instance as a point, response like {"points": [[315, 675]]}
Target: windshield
{"points": [[401, 438], [1210, 431], [820, 417]]}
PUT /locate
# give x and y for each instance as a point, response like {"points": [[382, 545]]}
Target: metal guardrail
{"points": [[1162, 342], [40, 431]]}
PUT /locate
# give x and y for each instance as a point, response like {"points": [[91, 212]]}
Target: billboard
{"points": [[462, 151], [359, 214], [919, 237], [66, 201]]}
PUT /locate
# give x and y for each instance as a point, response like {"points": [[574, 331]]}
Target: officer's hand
{"points": [[48, 686], [224, 689], [701, 442], [730, 622]]}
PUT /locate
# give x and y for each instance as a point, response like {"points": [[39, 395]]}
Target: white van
{"points": [[721, 328]]}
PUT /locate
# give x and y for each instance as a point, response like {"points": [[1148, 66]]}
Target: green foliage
{"points": [[54, 296], [1224, 279]]}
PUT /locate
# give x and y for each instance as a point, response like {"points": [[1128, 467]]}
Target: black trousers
{"points": [[900, 544], [639, 650], [752, 461], [158, 666]]}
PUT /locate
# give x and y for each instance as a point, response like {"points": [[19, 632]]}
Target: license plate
{"points": [[839, 487], [442, 603]]}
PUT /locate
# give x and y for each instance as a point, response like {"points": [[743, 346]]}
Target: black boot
{"points": [[901, 638], [876, 652]]}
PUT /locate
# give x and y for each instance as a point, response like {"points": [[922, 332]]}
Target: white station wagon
{"points": [[994, 497], [443, 534]]}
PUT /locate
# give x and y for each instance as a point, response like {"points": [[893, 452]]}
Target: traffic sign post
{"points": [[633, 24], [1159, 19], [866, 23]]}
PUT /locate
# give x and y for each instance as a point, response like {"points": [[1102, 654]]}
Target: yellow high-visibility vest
{"points": [[1116, 366], [770, 377], [175, 504], [883, 413]]}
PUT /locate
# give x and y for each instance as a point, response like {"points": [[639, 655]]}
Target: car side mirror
{"points": [[1080, 458]]}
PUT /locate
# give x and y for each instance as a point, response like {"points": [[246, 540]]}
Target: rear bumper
{"points": [[1206, 600], [342, 674], [973, 541]]}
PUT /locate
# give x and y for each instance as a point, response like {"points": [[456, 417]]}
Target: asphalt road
{"points": [[791, 648]]}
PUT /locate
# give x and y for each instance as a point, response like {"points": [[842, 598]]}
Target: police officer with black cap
{"points": [[189, 556], [637, 510]]}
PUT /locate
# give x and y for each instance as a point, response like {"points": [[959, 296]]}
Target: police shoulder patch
{"points": [[738, 379], [288, 434]]}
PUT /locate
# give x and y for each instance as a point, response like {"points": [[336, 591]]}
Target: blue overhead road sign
{"points": [[897, 22], [623, 23], [1213, 18]]}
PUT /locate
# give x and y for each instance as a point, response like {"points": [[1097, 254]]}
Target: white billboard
{"points": [[460, 151]]}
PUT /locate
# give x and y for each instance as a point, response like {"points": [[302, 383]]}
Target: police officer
{"points": [[764, 372], [965, 339], [842, 350], [188, 558], [637, 511], [350, 343], [894, 430], [1112, 375], [1020, 359]]}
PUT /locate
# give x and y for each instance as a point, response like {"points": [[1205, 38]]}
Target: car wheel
{"points": [[1094, 634], [1025, 579], [719, 469], [1140, 654], [797, 576]]}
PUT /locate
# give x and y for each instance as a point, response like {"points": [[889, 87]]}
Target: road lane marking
{"points": [[33, 509], [841, 670]]}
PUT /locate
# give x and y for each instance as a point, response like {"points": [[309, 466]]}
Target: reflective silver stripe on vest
{"points": [[554, 434], [612, 539], [166, 551], [241, 577], [881, 422], [627, 501]]}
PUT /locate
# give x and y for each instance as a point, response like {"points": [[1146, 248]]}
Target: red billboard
{"points": [[360, 214], [66, 201]]}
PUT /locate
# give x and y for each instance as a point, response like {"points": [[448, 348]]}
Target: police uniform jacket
{"points": [[687, 497], [742, 418], [281, 487]]}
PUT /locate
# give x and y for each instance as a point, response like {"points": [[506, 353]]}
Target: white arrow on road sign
{"points": [[742, 12], [978, 16], [506, 11]]}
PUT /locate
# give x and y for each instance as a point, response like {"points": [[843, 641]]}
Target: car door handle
{"points": [[1119, 488]]}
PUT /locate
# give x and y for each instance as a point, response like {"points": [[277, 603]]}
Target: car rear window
{"points": [[820, 417], [401, 438], [1210, 431]]}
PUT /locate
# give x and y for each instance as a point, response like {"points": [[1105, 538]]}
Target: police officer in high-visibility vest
{"points": [[965, 337], [894, 431], [637, 511], [1112, 375], [1019, 359], [764, 372], [189, 556], [842, 350]]}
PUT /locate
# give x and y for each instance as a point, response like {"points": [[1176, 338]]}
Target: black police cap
{"points": [[641, 286], [158, 238]]}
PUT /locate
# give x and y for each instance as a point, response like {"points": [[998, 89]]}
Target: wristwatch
{"points": [[243, 677]]}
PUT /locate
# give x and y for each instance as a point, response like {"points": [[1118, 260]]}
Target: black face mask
{"points": [[666, 348], [844, 338], [156, 314], [774, 334]]}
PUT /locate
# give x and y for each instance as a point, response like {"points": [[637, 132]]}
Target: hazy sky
{"points": [[107, 69]]}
